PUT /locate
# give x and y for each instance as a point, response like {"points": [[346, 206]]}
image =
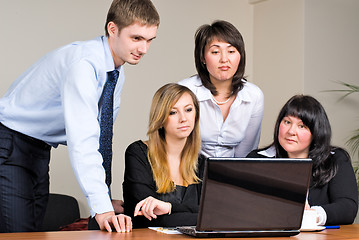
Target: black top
{"points": [[339, 198], [139, 184]]}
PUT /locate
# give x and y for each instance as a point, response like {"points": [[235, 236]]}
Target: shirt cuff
{"points": [[322, 215], [100, 203]]}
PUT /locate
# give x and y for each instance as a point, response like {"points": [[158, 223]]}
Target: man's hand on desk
{"points": [[108, 220]]}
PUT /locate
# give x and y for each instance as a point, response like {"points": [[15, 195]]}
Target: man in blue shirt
{"points": [[58, 101]]}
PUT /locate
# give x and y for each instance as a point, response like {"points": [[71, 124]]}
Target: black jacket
{"points": [[139, 184]]}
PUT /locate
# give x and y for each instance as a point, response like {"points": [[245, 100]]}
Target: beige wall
{"points": [[305, 46], [278, 36], [296, 46], [331, 55]]}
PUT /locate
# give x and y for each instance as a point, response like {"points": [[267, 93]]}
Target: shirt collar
{"points": [[269, 152], [110, 64], [244, 95], [204, 93]]}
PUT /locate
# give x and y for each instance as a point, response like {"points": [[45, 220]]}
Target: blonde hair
{"points": [[163, 101]]}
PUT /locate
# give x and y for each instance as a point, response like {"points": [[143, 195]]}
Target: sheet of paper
{"points": [[165, 230]]}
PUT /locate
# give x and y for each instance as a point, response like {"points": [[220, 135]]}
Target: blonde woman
{"points": [[162, 182]]}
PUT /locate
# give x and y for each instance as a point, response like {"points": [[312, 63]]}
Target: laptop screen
{"points": [[253, 194]]}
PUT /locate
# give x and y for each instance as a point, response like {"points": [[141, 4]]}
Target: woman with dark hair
{"points": [[231, 107], [162, 182], [303, 130]]}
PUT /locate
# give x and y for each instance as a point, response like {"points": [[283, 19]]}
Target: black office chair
{"points": [[61, 210]]}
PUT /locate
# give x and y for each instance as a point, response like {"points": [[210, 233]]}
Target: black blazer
{"points": [[139, 184]]}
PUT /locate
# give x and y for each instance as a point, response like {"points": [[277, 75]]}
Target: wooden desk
{"points": [[345, 232]]}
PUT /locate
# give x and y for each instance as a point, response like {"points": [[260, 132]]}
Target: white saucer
{"points": [[313, 229]]}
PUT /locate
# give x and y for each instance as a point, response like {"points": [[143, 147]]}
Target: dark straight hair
{"points": [[313, 115], [223, 31]]}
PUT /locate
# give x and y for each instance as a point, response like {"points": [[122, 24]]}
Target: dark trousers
{"points": [[24, 181]]}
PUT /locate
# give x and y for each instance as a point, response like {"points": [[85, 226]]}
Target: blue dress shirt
{"points": [[57, 100]]}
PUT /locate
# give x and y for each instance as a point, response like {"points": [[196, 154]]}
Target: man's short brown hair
{"points": [[125, 12]]}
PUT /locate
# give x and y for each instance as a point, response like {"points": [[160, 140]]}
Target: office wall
{"points": [[29, 29], [278, 35], [331, 55], [297, 46], [307, 46]]}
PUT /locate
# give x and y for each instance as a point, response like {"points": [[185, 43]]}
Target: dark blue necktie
{"points": [[106, 123]]}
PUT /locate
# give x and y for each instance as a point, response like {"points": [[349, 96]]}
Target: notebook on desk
{"points": [[243, 197]]}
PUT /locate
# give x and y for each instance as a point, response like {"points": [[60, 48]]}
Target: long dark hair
{"points": [[313, 115], [226, 32]]}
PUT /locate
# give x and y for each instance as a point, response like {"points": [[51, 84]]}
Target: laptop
{"points": [[252, 197]]}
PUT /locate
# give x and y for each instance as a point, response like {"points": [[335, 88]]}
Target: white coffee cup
{"points": [[309, 220]]}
